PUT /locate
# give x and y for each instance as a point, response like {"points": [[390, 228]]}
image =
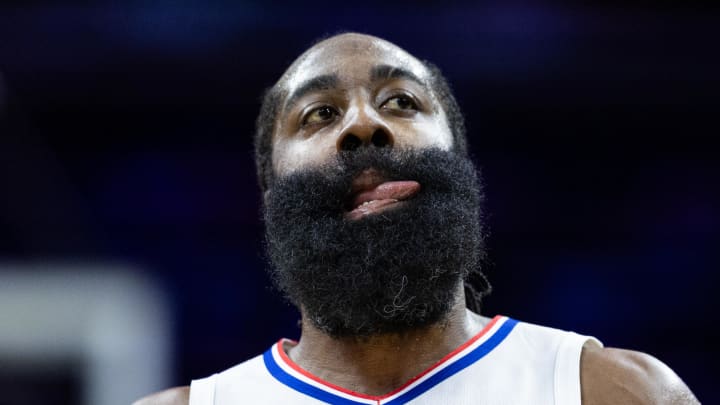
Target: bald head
{"points": [[346, 50], [350, 61]]}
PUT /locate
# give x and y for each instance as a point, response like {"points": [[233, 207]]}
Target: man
{"points": [[372, 212]]}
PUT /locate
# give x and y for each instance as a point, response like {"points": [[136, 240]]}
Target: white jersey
{"points": [[508, 362]]}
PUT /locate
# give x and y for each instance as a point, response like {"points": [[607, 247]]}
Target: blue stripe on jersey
{"points": [[459, 365], [301, 386], [467, 360]]}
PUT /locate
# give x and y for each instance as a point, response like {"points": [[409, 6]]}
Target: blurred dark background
{"points": [[126, 137]]}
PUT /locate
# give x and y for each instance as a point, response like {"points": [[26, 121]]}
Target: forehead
{"points": [[350, 57]]}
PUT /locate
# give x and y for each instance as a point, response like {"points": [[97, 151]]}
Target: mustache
{"points": [[327, 187]]}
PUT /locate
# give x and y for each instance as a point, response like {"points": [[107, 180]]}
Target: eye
{"points": [[320, 114], [400, 102]]}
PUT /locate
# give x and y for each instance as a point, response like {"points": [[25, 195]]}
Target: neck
{"points": [[379, 364]]}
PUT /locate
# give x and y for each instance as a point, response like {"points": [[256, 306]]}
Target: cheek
{"points": [[431, 133], [292, 155]]}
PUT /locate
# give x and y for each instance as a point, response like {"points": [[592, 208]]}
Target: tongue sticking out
{"points": [[381, 196]]}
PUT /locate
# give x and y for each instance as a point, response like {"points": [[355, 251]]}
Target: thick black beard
{"points": [[386, 273]]}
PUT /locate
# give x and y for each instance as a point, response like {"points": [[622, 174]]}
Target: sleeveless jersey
{"points": [[508, 362]]}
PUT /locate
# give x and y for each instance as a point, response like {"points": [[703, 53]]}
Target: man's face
{"points": [[344, 91], [373, 220]]}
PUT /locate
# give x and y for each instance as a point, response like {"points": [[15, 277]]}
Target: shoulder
{"points": [[617, 376], [172, 396]]}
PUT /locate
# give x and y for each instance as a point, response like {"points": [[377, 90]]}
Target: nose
{"points": [[364, 128]]}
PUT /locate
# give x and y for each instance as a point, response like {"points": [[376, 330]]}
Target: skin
{"points": [[310, 132]]}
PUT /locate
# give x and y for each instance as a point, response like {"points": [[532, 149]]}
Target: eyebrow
{"points": [[384, 72], [323, 82], [330, 81]]}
